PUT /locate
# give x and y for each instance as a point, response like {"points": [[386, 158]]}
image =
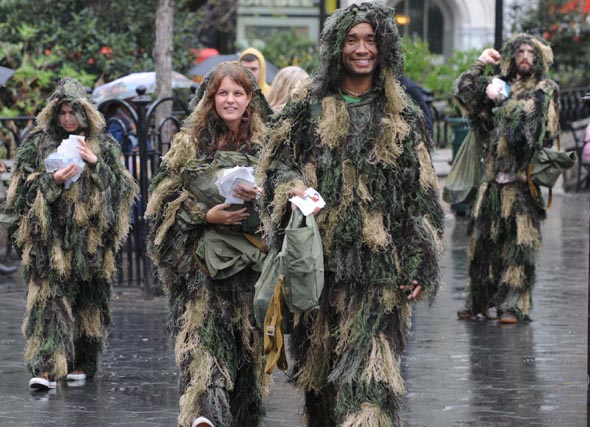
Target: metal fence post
{"points": [[141, 101]]}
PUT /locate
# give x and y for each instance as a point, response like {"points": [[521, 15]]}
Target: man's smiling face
{"points": [[359, 53]]}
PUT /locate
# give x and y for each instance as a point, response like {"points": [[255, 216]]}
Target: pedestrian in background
{"points": [[218, 347], [512, 117], [350, 133], [122, 127], [282, 85], [253, 60], [68, 237]]}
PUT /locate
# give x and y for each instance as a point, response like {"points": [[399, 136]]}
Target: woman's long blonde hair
{"points": [[283, 84]]}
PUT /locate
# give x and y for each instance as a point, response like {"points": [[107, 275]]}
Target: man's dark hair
{"points": [[248, 58]]}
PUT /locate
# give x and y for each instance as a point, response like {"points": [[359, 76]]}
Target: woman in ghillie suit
{"points": [[218, 348], [68, 237], [367, 155]]}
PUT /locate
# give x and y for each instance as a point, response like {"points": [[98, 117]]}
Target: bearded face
{"points": [[525, 57]]}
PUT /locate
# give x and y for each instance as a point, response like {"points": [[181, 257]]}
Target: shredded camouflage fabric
{"points": [[381, 227], [506, 217], [68, 239], [218, 349]]}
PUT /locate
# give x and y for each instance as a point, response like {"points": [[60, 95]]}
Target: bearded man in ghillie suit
{"points": [[354, 135], [506, 219], [68, 237], [218, 348]]}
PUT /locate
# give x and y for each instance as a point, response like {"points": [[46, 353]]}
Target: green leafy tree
{"points": [[429, 70], [95, 41], [284, 48]]}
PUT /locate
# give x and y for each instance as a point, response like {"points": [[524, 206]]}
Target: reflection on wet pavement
{"points": [[474, 373]]}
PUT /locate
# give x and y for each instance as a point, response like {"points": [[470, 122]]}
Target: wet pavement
{"points": [[474, 373]]}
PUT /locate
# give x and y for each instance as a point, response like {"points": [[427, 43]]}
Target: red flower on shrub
{"points": [[47, 52], [546, 35], [91, 61], [106, 51]]}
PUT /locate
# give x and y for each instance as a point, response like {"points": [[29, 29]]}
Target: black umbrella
{"points": [[201, 70], [5, 74]]}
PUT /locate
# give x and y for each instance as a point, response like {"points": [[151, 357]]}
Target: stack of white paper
{"points": [[312, 200], [67, 153], [503, 87], [230, 178]]}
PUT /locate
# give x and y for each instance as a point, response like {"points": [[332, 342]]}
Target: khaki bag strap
{"points": [[200, 264], [274, 346], [256, 242]]}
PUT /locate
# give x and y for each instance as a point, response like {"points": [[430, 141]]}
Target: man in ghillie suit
{"points": [[210, 286], [354, 135], [506, 218], [68, 237]]}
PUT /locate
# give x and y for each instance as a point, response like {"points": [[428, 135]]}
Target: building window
{"points": [[421, 19]]}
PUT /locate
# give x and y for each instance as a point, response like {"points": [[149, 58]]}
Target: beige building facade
{"points": [[447, 25]]}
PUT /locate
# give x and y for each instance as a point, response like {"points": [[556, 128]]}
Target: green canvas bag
{"points": [[300, 261], [291, 281], [545, 168], [466, 172], [222, 253], [549, 164]]}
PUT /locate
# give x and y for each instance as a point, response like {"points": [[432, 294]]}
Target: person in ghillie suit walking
{"points": [[68, 237], [507, 214], [218, 348], [353, 134]]}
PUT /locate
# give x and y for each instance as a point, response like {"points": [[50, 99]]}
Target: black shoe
{"points": [[4, 269]]}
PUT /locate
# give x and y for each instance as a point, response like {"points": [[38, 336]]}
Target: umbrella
{"points": [[201, 69], [5, 74], [124, 87]]}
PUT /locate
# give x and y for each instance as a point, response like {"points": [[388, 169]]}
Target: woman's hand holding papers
{"points": [[86, 153], [246, 192], [219, 214], [64, 174]]}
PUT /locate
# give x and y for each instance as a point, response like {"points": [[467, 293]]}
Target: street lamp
{"points": [[586, 100], [499, 25], [402, 19]]}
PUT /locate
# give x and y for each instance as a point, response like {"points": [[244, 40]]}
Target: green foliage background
{"points": [[100, 40], [566, 27], [94, 41]]}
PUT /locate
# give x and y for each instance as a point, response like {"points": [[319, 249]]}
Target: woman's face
{"points": [[67, 118], [231, 100]]}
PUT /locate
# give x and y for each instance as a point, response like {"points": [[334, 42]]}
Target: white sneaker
{"points": [[76, 383], [40, 383], [76, 377], [202, 421]]}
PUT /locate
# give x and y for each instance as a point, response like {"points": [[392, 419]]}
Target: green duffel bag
{"points": [[300, 262], [549, 164], [222, 253], [291, 281]]}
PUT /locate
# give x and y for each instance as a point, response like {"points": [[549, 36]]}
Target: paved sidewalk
{"points": [[474, 373]]}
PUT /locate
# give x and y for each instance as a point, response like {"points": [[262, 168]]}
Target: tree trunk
{"points": [[163, 58]]}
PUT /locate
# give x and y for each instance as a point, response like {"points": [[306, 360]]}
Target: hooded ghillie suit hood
{"points": [[543, 57], [209, 319], [264, 87], [73, 92], [381, 227], [327, 78], [68, 238]]}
